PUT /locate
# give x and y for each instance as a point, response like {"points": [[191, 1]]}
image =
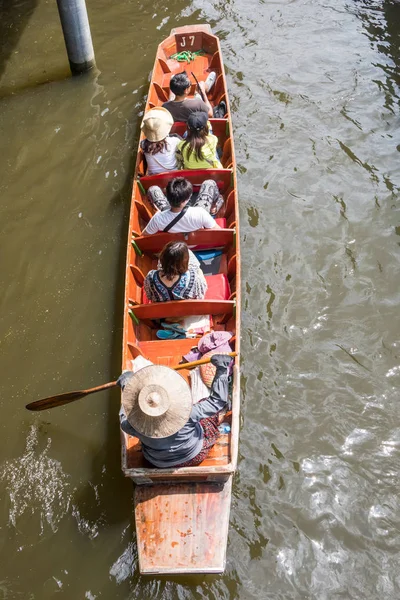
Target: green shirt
{"points": [[209, 151]]}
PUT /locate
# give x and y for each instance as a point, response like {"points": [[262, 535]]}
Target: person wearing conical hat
{"points": [[157, 408], [158, 146]]}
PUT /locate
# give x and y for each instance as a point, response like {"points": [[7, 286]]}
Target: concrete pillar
{"points": [[78, 40]]}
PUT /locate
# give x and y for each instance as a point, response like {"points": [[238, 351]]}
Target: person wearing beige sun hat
{"points": [[157, 408], [158, 146]]}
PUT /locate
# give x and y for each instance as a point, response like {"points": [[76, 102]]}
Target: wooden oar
{"points": [[196, 363], [60, 399]]}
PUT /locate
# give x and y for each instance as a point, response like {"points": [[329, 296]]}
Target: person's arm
{"points": [[147, 285], [123, 421], [125, 425], [209, 222], [193, 261], [200, 287], [151, 227], [219, 390], [200, 284], [180, 162]]}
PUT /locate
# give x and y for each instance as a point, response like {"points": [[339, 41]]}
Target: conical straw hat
{"points": [[157, 401]]}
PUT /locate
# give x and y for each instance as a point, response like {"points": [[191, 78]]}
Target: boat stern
{"points": [[183, 527]]}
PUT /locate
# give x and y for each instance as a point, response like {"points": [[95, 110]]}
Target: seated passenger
{"points": [[199, 149], [181, 107], [159, 147], [177, 215], [157, 408], [179, 278]]}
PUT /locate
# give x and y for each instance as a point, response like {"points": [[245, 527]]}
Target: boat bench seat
{"points": [[219, 454], [223, 178], [179, 308], [200, 239]]}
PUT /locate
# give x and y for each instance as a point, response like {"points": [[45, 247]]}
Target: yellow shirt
{"points": [[209, 151]]}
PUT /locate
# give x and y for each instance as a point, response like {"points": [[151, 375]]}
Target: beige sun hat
{"points": [[157, 123], [157, 401]]}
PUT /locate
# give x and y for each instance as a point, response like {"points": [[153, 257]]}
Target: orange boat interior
{"points": [[142, 318]]}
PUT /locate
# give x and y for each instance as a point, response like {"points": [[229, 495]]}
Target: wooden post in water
{"points": [[78, 40]]}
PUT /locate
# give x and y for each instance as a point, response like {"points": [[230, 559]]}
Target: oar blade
{"points": [[60, 399], [54, 401]]}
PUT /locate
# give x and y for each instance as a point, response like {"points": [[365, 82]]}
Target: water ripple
{"points": [[36, 485]]}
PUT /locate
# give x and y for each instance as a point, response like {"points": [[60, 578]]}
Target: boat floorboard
{"points": [[182, 528]]}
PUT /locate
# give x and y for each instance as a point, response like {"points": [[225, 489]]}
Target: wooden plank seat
{"points": [[223, 178], [218, 455], [204, 238], [179, 308]]}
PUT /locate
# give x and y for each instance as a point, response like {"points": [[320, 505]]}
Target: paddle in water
{"points": [[61, 399]]}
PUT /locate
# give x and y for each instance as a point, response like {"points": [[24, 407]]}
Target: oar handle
{"points": [[99, 388], [196, 363]]}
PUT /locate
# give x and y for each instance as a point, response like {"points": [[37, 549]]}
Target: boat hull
{"points": [[182, 514]]}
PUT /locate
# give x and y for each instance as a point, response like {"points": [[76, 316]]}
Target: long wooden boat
{"points": [[182, 514]]}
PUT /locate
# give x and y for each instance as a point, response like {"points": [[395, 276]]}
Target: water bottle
{"points": [[224, 428]]}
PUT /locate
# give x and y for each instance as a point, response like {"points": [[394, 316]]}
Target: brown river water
{"points": [[314, 86]]}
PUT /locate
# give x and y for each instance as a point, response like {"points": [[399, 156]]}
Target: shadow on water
{"points": [[382, 25], [391, 11], [41, 79], [14, 17]]}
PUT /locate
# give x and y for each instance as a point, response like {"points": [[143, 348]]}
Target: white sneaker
{"points": [[209, 82]]}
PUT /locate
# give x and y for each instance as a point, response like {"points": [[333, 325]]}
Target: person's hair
{"points": [[154, 147], [194, 142], [178, 190], [179, 83], [174, 259]]}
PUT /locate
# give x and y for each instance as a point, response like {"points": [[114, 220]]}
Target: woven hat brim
{"points": [[179, 395]]}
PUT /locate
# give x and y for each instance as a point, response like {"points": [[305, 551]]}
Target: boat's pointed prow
{"points": [[182, 528]]}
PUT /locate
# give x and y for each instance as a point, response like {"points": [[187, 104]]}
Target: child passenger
{"points": [[159, 147], [199, 149]]}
